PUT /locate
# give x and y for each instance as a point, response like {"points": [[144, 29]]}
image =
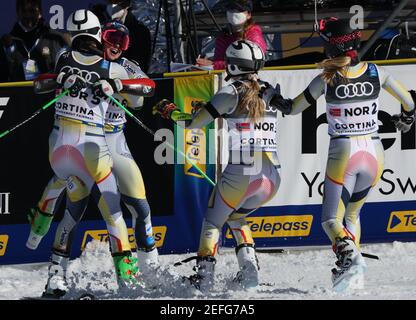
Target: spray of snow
{"points": [[293, 274]]}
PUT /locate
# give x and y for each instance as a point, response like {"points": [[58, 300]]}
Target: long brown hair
{"points": [[242, 35], [250, 102], [333, 67]]}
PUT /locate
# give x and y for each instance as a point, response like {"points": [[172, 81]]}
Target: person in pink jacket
{"points": [[241, 27]]}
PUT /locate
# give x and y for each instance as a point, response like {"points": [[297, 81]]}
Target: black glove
{"points": [[403, 121], [271, 96], [197, 105], [164, 108], [72, 82], [283, 105]]}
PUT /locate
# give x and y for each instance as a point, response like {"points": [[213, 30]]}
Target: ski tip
{"points": [[265, 250], [370, 256]]}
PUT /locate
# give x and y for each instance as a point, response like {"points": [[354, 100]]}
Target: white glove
{"points": [[107, 87], [72, 82]]}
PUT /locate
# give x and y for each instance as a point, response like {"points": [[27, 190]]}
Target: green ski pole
{"points": [[36, 113], [131, 115]]}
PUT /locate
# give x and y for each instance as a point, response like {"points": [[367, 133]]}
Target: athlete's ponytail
{"points": [[333, 67], [250, 101]]}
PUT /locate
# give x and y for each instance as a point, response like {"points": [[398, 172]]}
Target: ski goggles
{"points": [[116, 37]]}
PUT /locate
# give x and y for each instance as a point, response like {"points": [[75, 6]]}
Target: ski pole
{"points": [[36, 113], [154, 134], [130, 85]]}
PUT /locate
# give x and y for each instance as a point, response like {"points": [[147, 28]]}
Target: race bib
{"points": [[258, 136], [352, 118]]}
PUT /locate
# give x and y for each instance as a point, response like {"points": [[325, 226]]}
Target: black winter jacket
{"points": [[15, 46]]}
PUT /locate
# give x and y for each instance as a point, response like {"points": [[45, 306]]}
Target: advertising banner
{"points": [[192, 190]]}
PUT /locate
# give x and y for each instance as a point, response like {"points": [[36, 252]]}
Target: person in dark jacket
{"points": [[31, 46], [140, 38]]}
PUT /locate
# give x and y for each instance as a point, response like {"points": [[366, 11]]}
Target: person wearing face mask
{"points": [[140, 45], [31, 47], [240, 27]]}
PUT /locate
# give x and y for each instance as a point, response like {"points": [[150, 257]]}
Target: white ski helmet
{"points": [[84, 23], [243, 56]]}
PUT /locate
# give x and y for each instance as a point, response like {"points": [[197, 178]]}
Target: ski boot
{"points": [[203, 280], [56, 287], [248, 276], [40, 224], [149, 267], [351, 266], [126, 269]]}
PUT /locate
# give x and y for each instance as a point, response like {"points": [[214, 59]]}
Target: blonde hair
{"points": [[251, 103], [333, 67]]}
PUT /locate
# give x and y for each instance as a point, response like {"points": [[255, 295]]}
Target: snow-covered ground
{"points": [[291, 275]]}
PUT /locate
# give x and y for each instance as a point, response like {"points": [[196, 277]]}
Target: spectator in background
{"points": [[241, 27], [31, 47], [140, 38]]}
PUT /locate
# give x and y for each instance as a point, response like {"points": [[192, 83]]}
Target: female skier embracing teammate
{"points": [[79, 154], [115, 39]]}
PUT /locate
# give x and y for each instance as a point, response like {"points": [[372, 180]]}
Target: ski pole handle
{"points": [[140, 87], [139, 81], [46, 83]]}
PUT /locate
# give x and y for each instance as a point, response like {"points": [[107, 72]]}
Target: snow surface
{"points": [[291, 275]]}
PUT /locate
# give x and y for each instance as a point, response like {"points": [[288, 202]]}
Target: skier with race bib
{"points": [[115, 38], [79, 154], [356, 157], [251, 177], [129, 177]]}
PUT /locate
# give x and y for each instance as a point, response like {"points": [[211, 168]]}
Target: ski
{"points": [[370, 256], [83, 296], [270, 250], [38, 298]]}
